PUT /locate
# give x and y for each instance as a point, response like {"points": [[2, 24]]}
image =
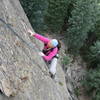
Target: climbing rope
{"points": [[28, 44]]}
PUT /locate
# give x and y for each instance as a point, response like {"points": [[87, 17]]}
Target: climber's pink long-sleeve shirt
{"points": [[45, 41]]}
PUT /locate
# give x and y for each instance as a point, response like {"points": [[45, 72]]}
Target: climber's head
{"points": [[53, 43]]}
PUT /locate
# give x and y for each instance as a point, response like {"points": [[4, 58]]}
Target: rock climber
{"points": [[49, 52]]}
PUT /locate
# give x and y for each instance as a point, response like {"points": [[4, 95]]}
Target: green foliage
{"points": [[93, 55], [56, 13], [92, 83], [66, 60], [35, 10], [97, 29], [77, 91], [60, 83], [82, 20], [95, 52]]}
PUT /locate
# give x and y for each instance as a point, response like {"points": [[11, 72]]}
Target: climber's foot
{"points": [[52, 75]]}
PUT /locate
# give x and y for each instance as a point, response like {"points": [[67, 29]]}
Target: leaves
{"points": [[92, 83], [82, 20], [56, 13], [35, 10], [93, 56]]}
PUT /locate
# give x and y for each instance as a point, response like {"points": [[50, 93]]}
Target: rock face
{"points": [[75, 73], [23, 73]]}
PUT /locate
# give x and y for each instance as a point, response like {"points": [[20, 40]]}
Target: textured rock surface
{"points": [[23, 74], [76, 72], [74, 75]]}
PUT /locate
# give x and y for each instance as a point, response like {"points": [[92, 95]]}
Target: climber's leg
{"points": [[52, 68]]}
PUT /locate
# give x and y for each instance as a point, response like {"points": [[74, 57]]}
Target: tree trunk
{"points": [[64, 26]]}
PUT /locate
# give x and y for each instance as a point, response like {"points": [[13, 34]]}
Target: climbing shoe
{"points": [[52, 76]]}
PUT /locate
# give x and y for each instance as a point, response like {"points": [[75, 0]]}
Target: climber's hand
{"points": [[30, 32], [41, 54]]}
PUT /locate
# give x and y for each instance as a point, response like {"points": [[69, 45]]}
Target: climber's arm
{"points": [[38, 36], [42, 38]]}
